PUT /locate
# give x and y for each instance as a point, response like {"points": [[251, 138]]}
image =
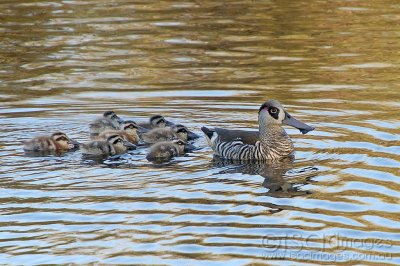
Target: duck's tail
{"points": [[211, 136]]}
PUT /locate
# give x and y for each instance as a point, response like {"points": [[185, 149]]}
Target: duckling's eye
{"points": [[117, 141], [161, 121], [273, 110], [62, 139]]}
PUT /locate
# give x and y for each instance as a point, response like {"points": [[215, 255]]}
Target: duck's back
{"points": [[41, 143], [157, 135], [161, 151], [247, 137], [100, 125], [98, 147]]}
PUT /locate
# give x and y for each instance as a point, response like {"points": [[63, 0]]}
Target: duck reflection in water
{"points": [[282, 178]]}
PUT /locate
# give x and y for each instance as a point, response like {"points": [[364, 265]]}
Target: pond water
{"points": [[333, 64]]}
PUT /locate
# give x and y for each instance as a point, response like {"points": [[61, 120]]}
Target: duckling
{"points": [[112, 146], [273, 143], [109, 121], [58, 141], [165, 134], [156, 121], [128, 132], [166, 150]]}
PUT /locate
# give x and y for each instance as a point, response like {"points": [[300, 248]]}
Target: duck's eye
{"points": [[273, 110], [161, 121]]}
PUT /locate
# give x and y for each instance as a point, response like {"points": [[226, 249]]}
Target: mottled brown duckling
{"points": [[165, 134], [58, 141], [156, 121], [109, 121], [166, 150], [112, 146], [128, 132]]}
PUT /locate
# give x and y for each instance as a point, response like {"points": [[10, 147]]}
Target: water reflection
{"points": [[59, 153], [276, 174]]}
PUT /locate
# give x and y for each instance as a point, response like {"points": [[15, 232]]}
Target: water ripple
{"points": [[333, 64]]}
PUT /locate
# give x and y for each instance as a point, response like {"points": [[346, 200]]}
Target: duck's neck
{"points": [[275, 139]]}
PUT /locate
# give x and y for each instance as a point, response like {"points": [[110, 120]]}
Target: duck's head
{"points": [[272, 113], [111, 115], [180, 145], [129, 126], [63, 141], [181, 131], [120, 143], [157, 121]]}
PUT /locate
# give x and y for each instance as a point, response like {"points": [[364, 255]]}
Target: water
{"points": [[333, 64]]}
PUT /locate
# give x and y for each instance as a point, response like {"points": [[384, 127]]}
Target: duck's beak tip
{"points": [[305, 131], [129, 145]]}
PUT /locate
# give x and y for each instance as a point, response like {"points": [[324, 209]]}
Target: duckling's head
{"points": [[129, 126], [119, 143], [63, 141], [157, 121], [181, 131], [111, 115], [180, 145], [272, 113]]}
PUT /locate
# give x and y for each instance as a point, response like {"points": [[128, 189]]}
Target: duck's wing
{"points": [[247, 137]]}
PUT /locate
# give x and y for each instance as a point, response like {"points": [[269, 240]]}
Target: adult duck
{"points": [[271, 143]]}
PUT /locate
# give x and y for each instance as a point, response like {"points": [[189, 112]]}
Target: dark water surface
{"points": [[333, 64]]}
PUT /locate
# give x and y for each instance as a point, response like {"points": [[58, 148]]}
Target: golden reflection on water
{"points": [[333, 64]]}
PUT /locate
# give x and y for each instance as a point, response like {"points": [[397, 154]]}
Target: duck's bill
{"points": [[168, 123], [73, 144], [129, 145], [192, 135], [189, 147], [291, 121]]}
